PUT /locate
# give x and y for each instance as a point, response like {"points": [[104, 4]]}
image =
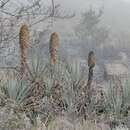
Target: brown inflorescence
{"points": [[91, 59], [54, 44], [91, 65], [24, 42]]}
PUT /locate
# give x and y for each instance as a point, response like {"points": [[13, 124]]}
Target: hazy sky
{"points": [[116, 12], [83, 4], [79, 5]]}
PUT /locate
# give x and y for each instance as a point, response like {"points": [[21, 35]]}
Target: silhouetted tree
{"points": [[90, 31]]}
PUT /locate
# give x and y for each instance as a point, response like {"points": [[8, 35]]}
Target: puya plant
{"points": [[15, 90], [117, 98], [37, 66], [13, 94], [74, 81], [91, 65]]}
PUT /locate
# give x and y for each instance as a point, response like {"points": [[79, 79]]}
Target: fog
{"points": [[116, 12], [107, 34], [64, 64]]}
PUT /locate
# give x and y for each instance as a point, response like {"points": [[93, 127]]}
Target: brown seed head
{"points": [[24, 37], [54, 40], [54, 44], [91, 59], [24, 42]]}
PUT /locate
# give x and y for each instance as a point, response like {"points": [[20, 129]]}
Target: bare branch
{"points": [[3, 3]]}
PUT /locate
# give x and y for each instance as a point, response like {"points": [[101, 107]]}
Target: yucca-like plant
{"points": [[49, 82], [41, 83], [24, 43], [74, 82], [65, 84], [37, 66], [74, 75], [53, 47], [18, 96], [15, 90], [55, 80], [116, 104], [13, 94]]}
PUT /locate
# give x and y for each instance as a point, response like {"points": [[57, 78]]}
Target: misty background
{"points": [[116, 12], [83, 25]]}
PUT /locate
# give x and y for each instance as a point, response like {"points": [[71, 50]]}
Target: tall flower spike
{"points": [[91, 65], [54, 44], [24, 42], [91, 59]]}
